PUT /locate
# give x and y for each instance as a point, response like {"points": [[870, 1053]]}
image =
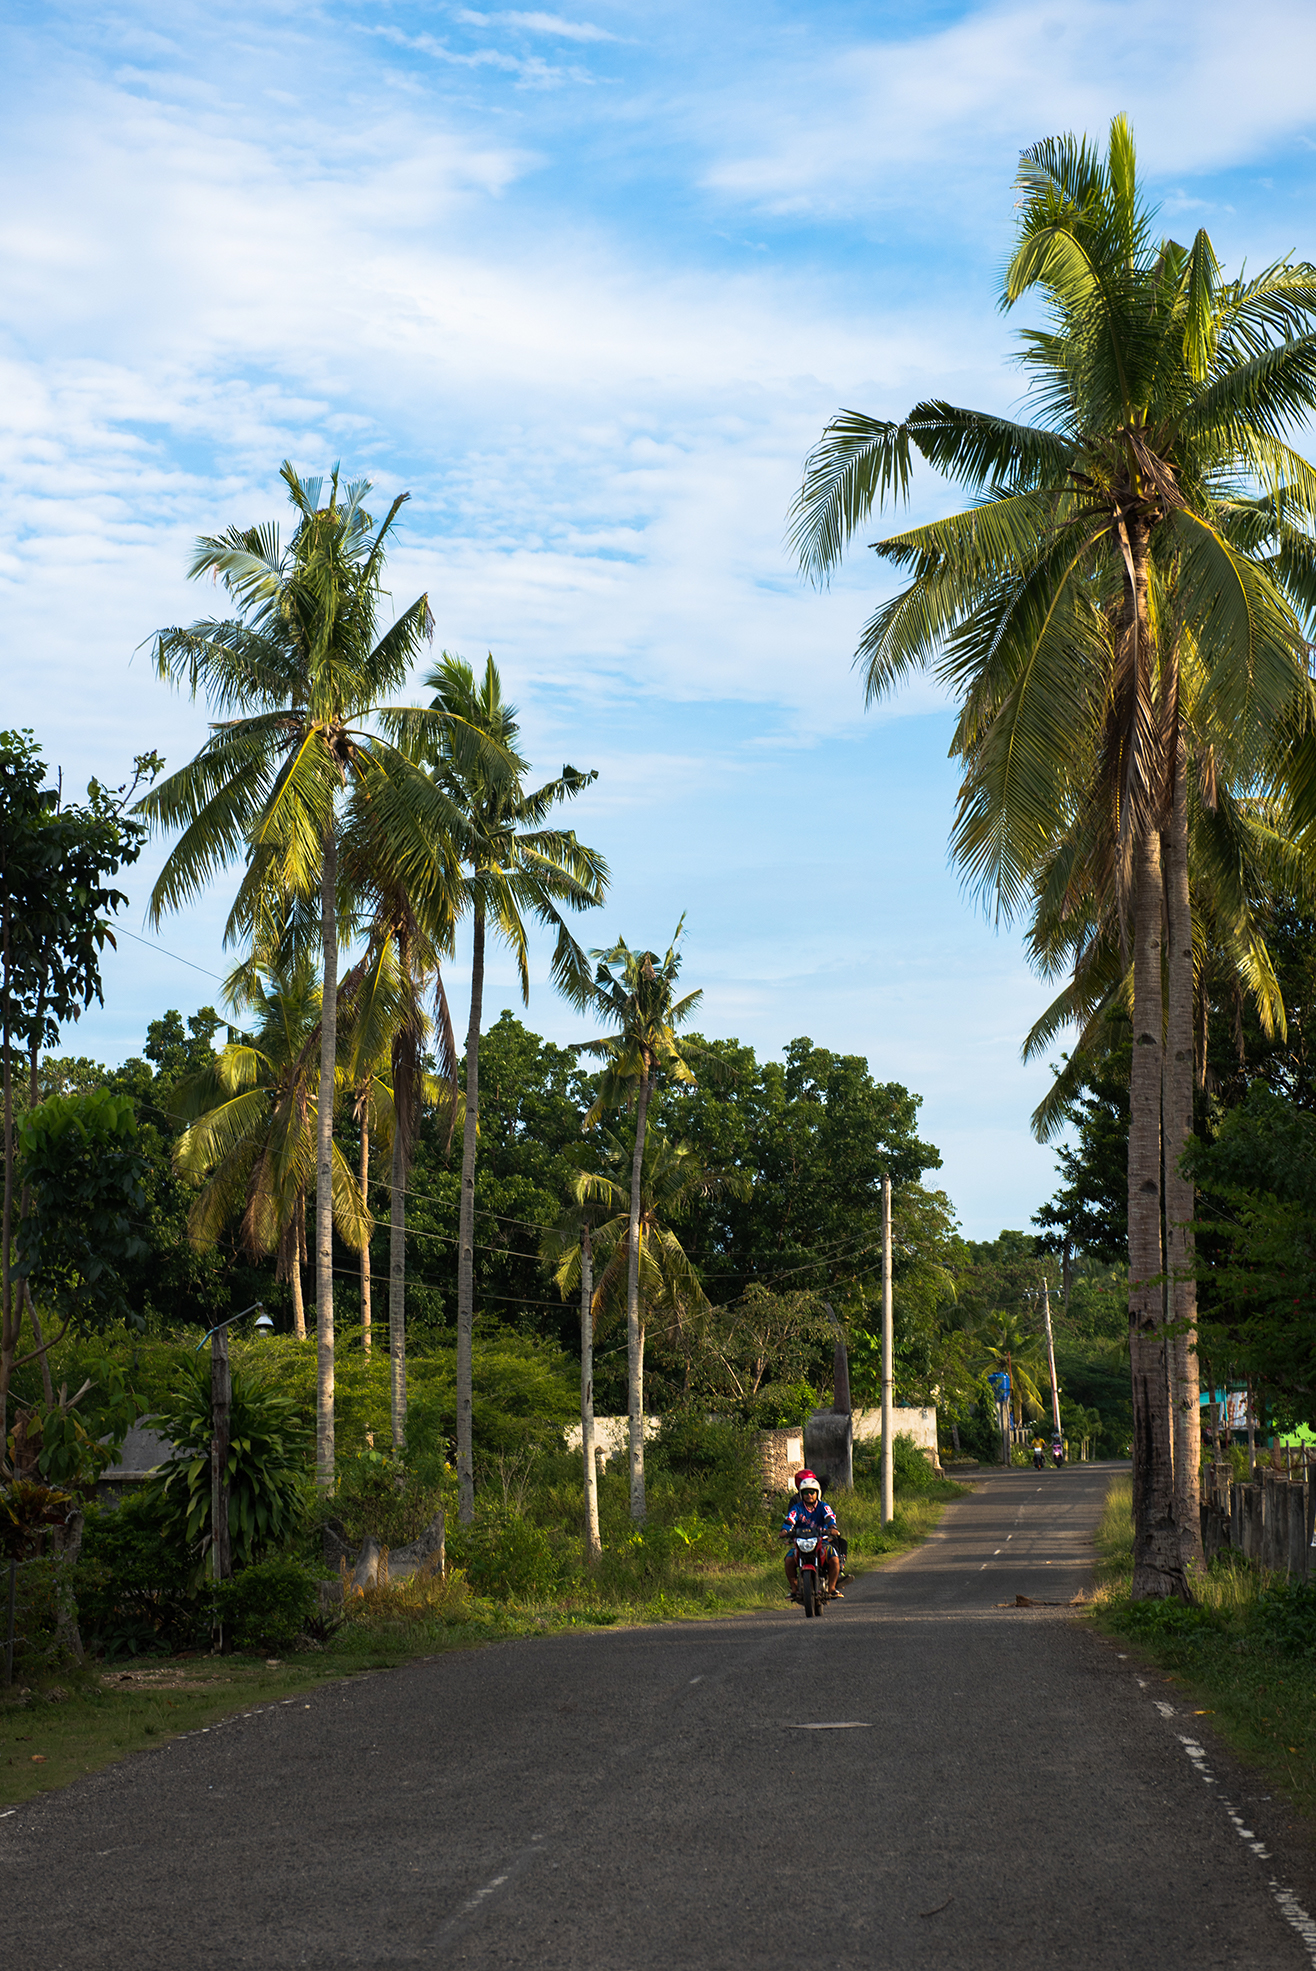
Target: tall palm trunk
{"points": [[365, 1200], [397, 1287], [593, 1542], [1180, 1197], [466, 1231], [634, 1332], [324, 1175], [290, 1265], [1157, 1563]]}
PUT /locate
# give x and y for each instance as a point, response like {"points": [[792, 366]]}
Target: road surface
{"points": [[923, 1778]]}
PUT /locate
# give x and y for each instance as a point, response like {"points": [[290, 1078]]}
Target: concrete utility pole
{"points": [[1051, 1356], [221, 1402], [888, 1445]]}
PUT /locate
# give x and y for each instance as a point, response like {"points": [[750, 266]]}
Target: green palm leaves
{"points": [[513, 868], [1119, 613], [298, 677]]}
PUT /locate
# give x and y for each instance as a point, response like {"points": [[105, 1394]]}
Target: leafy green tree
{"points": [[515, 870], [56, 900], [817, 1133], [297, 678], [81, 1172], [634, 991], [1152, 517]]}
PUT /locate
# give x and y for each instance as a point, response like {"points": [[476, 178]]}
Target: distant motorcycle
{"points": [[1039, 1457], [1057, 1454]]}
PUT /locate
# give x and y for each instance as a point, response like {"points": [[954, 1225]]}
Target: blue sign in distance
{"points": [[1000, 1382]]}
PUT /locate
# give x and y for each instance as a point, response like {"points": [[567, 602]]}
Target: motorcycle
{"points": [[1039, 1458], [1057, 1455], [812, 1551]]}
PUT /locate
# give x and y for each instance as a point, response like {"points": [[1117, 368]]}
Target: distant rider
{"points": [[810, 1513], [1039, 1456]]}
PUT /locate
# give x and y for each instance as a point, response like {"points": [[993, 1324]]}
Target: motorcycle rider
{"points": [[1038, 1455], [810, 1513], [1057, 1451]]}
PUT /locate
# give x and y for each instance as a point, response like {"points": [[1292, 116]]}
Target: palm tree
{"points": [[1002, 1342], [598, 1226], [293, 677], [250, 1140], [634, 990], [514, 869], [392, 1039], [1151, 502], [574, 1233]]}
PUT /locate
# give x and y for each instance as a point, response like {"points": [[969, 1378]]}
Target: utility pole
{"points": [[221, 1403], [888, 1444], [1051, 1356]]}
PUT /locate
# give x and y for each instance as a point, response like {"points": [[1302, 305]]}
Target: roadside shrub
{"points": [[1284, 1616], [1168, 1617], [267, 1605], [381, 1494], [693, 1445], [268, 1484], [911, 1469], [133, 1583], [508, 1555]]}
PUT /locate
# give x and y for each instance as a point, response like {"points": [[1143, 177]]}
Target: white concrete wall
{"points": [[612, 1434], [920, 1424]]}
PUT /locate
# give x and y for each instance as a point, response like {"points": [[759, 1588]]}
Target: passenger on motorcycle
{"points": [[811, 1513]]}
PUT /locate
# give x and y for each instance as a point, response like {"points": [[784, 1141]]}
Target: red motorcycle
{"points": [[812, 1552]]}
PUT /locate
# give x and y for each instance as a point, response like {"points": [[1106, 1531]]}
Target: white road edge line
{"points": [[1289, 1907]]}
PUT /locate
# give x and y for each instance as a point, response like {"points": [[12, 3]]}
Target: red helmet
{"points": [[807, 1477]]}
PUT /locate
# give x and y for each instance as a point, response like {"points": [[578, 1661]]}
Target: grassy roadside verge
{"points": [[71, 1724], [1241, 1658]]}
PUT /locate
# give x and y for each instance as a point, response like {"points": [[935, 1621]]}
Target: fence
{"points": [[1268, 1520]]}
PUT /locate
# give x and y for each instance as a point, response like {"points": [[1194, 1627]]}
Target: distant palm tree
{"points": [[392, 1040], [514, 869], [250, 1139], [297, 678], [634, 992], [1002, 1342]]}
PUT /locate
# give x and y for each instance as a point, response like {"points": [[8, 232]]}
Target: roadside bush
{"points": [[381, 1494], [1284, 1616], [506, 1555], [133, 1584], [267, 1469], [267, 1605], [911, 1469]]}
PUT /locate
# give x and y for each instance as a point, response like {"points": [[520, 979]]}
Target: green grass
{"points": [[1219, 1654], [64, 1724]]}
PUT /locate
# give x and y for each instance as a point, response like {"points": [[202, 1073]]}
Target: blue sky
{"points": [[589, 285]]}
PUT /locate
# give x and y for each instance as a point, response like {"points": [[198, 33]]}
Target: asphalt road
{"points": [[923, 1778]]}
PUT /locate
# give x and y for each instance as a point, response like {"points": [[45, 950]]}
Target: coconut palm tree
{"points": [[635, 992], [598, 1230], [1000, 1341], [297, 679], [251, 1134], [393, 1039], [1151, 499], [514, 870]]}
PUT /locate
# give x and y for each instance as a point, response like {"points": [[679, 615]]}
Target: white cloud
{"points": [[891, 121], [532, 23]]}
